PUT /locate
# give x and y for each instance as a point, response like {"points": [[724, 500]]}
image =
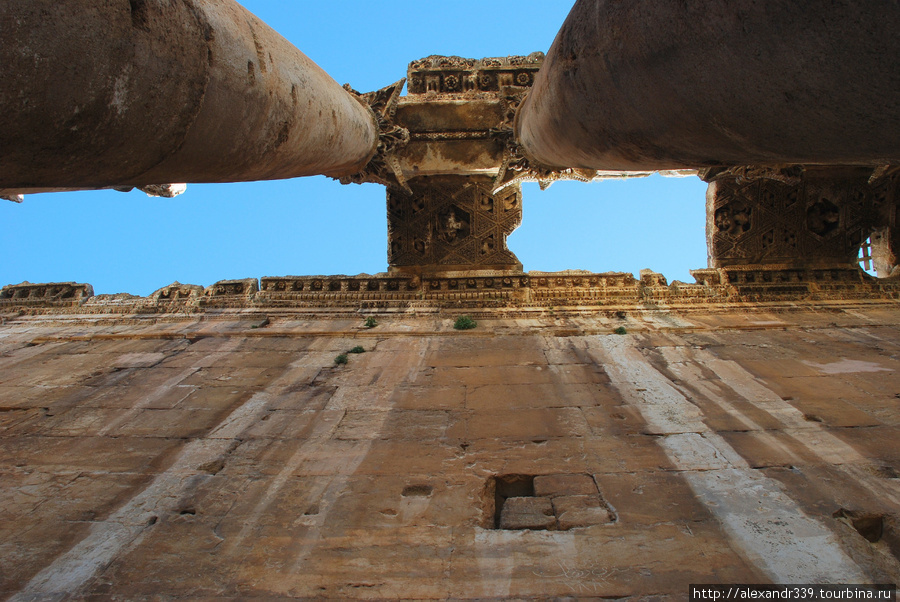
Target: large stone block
{"points": [[527, 513], [553, 485]]}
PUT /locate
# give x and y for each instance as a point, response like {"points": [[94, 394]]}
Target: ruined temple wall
{"points": [[226, 454]]}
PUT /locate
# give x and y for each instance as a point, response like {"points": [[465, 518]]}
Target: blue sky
{"points": [[136, 244]]}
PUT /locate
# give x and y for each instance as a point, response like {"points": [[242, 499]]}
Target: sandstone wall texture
{"points": [[220, 455]]}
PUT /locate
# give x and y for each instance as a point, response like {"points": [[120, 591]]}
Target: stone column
{"points": [[452, 225], [649, 84], [800, 217], [100, 93]]}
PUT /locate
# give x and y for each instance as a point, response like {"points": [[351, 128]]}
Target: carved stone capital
{"points": [[454, 75], [383, 168], [788, 174]]}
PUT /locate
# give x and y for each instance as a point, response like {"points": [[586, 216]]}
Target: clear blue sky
{"points": [[136, 244]]}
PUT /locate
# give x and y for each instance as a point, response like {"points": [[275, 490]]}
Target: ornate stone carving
{"points": [[795, 215], [789, 174], [177, 292], [516, 167], [571, 290], [457, 75], [885, 237], [383, 168], [232, 288], [48, 293], [452, 223], [451, 138]]}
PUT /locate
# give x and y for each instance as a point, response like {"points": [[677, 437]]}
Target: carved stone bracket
{"points": [[232, 288], [383, 167], [434, 75]]}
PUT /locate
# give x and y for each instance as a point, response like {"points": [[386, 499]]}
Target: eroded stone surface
{"points": [[527, 513], [232, 458]]}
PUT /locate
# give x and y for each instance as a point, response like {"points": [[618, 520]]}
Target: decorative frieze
{"points": [[457, 75], [450, 224], [224, 288], [178, 293], [793, 215], [573, 289], [53, 293]]}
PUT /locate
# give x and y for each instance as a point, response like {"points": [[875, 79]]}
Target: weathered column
{"points": [[131, 92], [800, 217], [651, 84]]}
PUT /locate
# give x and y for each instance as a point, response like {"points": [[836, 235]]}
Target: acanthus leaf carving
{"points": [[383, 168], [787, 174]]}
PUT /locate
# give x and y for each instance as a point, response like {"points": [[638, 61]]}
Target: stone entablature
{"points": [[457, 75], [52, 293], [573, 288], [801, 216]]}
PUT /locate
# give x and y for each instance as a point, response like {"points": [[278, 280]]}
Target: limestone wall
{"points": [[227, 454]]}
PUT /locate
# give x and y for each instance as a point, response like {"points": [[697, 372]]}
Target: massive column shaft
{"points": [[130, 92], [651, 84]]}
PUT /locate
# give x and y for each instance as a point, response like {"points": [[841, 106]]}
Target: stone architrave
{"points": [[452, 223]]}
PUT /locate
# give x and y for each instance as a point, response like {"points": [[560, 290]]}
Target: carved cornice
{"points": [[455, 75], [573, 289], [52, 293], [177, 293]]}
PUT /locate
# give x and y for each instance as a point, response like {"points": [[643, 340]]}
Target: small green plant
{"points": [[371, 322], [620, 330], [357, 349], [464, 323], [341, 359]]}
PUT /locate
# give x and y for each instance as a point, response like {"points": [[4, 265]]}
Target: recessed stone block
{"points": [[527, 513]]}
